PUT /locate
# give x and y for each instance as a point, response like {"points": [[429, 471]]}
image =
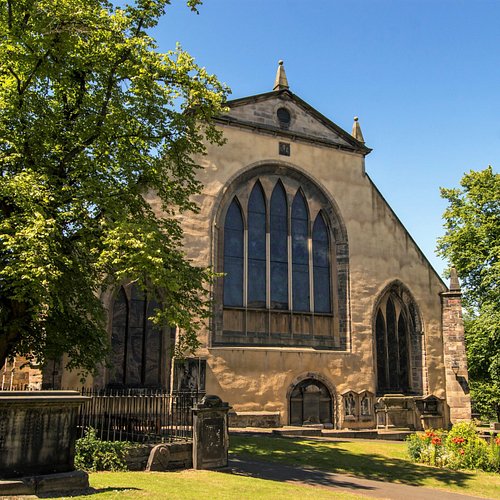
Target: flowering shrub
{"points": [[460, 448], [427, 447]]}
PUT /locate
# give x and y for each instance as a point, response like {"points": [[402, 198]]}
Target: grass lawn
{"points": [[191, 484], [377, 460]]}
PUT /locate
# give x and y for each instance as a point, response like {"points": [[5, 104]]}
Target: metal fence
{"points": [[146, 416]]}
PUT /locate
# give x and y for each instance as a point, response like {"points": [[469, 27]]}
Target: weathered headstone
{"points": [[210, 433]]}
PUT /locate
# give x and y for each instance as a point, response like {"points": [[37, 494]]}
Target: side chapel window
{"points": [[136, 344], [395, 336]]}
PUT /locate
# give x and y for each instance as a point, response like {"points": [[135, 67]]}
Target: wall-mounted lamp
{"points": [[455, 367]]}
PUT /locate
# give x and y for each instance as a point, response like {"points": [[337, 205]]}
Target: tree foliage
{"points": [[93, 122], [472, 245]]}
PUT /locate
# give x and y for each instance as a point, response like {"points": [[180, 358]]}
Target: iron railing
{"points": [[145, 415]]}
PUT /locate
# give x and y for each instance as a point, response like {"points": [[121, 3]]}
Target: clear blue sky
{"points": [[422, 75]]}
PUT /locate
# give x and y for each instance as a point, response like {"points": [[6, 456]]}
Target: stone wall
{"points": [[18, 375], [267, 419]]}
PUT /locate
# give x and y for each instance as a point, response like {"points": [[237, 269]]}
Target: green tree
{"points": [[94, 121], [472, 245]]}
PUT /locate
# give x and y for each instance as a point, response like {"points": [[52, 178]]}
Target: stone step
{"points": [[299, 431]]}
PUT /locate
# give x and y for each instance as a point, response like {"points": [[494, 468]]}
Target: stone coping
{"points": [[256, 413], [45, 397], [305, 349]]}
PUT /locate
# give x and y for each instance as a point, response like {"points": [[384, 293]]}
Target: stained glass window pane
{"points": [[321, 266], [118, 338], [279, 249], [256, 248], [392, 346], [233, 256], [403, 354], [300, 255], [381, 356], [153, 344]]}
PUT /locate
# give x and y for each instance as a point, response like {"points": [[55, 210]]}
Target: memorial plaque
{"points": [[189, 375]]}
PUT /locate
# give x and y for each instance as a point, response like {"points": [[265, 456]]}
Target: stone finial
{"points": [[356, 131], [280, 82], [454, 283]]}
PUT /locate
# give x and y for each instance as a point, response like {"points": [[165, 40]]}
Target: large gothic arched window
{"points": [[278, 256]]}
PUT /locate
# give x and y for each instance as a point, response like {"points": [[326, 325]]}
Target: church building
{"points": [[326, 310]]}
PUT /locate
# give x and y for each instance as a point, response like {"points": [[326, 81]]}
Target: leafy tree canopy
{"points": [[93, 120], [472, 245]]}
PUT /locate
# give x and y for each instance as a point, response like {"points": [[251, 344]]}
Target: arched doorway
{"points": [[311, 403]]}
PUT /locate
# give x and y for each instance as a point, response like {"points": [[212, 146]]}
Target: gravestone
{"points": [[38, 430], [210, 433]]}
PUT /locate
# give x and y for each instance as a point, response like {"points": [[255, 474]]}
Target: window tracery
{"points": [[398, 344], [283, 254]]}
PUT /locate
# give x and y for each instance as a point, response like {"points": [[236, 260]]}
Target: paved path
{"points": [[337, 482]]}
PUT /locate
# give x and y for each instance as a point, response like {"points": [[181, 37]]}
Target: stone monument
{"points": [[210, 433]]}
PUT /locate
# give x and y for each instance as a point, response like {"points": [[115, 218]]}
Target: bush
{"points": [[461, 448], [93, 455]]}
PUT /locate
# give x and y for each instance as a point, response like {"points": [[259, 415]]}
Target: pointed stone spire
{"points": [[356, 131], [280, 82], [454, 283]]}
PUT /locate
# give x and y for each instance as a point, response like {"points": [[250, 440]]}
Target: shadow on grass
{"points": [[330, 457], [86, 492]]}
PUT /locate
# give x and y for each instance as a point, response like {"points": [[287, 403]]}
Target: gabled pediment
{"points": [[299, 120]]}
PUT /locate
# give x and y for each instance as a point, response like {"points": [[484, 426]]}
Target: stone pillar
{"points": [[455, 358], [210, 433]]}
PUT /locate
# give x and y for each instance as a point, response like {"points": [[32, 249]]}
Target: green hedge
{"points": [[93, 455]]}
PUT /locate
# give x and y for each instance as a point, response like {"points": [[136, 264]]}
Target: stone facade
{"points": [[390, 324]]}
